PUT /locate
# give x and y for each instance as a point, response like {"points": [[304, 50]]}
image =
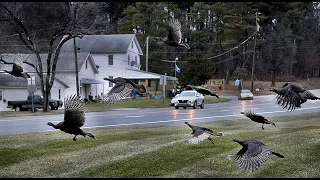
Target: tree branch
{"points": [[57, 52]]}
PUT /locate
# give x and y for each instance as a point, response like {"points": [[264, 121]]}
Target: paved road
{"points": [[263, 105]]}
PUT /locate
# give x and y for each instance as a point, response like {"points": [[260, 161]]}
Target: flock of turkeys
{"points": [[253, 152]]}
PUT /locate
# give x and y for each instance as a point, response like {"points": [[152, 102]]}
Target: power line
{"points": [[234, 47]]}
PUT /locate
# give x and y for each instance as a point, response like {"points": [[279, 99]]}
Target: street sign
{"points": [[216, 82], [32, 84]]}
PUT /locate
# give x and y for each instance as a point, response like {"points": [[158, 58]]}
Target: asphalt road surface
{"points": [[264, 105]]}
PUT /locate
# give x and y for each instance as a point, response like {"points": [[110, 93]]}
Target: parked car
{"points": [[189, 98], [173, 99], [37, 103], [245, 94]]}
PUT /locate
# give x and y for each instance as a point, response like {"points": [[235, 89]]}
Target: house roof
{"points": [[7, 80], [138, 74], [66, 61], [115, 43]]}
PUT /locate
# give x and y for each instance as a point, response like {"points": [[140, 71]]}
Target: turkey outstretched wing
{"points": [[198, 137], [174, 31], [111, 98], [136, 87], [117, 88], [251, 158], [290, 100], [74, 111], [307, 95]]}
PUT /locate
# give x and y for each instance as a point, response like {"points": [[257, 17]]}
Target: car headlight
{"points": [[175, 101], [190, 101]]}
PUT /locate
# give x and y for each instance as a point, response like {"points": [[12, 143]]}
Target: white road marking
{"points": [[254, 108], [224, 110], [130, 124], [184, 113], [133, 116]]}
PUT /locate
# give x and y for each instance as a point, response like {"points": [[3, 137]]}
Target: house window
{"points": [[110, 59], [86, 64], [128, 59], [59, 94], [0, 95], [110, 83], [149, 83]]}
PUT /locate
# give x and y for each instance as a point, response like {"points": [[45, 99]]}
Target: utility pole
{"points": [[254, 51], [75, 52], [147, 51]]}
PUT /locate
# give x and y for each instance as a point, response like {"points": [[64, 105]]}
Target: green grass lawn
{"points": [[164, 152], [130, 103]]}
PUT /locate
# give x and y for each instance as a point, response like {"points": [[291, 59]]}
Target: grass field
{"points": [[163, 151], [98, 107]]}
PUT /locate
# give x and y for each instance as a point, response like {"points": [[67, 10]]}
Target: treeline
{"points": [[285, 47]]}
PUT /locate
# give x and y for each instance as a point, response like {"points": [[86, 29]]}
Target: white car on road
{"points": [[189, 98], [245, 94]]}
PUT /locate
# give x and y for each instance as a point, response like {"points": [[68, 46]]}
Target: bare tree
{"points": [[71, 29]]}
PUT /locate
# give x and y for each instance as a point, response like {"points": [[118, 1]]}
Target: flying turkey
{"points": [[291, 96], [201, 133], [74, 117], [17, 68], [120, 90], [201, 90], [253, 154], [257, 118], [174, 37]]}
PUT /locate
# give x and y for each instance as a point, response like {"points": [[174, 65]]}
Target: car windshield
{"points": [[245, 91], [185, 93]]}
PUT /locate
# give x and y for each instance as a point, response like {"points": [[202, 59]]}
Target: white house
{"points": [[116, 55], [98, 56]]}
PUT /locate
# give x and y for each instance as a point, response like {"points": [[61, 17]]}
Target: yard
{"points": [[163, 151]]}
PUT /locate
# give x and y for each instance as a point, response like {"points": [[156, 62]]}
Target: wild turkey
{"points": [[201, 133], [291, 96], [252, 154], [120, 90], [174, 35], [201, 90], [17, 68], [74, 117], [257, 118]]}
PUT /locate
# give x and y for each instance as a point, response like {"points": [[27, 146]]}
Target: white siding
{"points": [[134, 53]]}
